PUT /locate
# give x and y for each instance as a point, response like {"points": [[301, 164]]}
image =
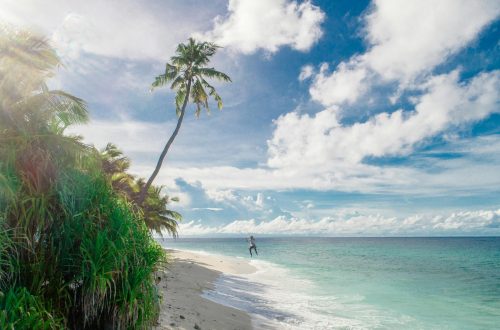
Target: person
{"points": [[251, 242]]}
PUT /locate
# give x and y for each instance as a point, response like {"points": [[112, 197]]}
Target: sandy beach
{"points": [[187, 276]]}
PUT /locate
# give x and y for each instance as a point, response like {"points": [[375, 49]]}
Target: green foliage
{"points": [[187, 75], [74, 252], [8, 256], [157, 215], [20, 310]]}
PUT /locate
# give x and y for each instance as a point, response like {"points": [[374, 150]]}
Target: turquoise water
{"points": [[364, 283]]}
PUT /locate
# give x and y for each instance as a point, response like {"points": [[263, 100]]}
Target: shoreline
{"points": [[182, 284]]}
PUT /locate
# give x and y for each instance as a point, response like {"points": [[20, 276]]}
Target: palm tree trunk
{"points": [[144, 190]]}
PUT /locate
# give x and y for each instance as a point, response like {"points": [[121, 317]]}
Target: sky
{"points": [[343, 118]]}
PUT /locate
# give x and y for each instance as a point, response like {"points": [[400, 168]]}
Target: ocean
{"points": [[361, 283]]}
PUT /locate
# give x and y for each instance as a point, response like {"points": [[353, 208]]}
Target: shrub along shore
{"points": [[76, 249]]}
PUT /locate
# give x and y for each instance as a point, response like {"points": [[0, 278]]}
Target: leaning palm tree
{"points": [[187, 74]]}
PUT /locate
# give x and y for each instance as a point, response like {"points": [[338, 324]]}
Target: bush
{"points": [[75, 245], [74, 253]]}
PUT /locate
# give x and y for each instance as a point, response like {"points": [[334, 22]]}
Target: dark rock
{"points": [[196, 326], [182, 317]]}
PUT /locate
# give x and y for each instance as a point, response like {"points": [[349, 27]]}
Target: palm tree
{"points": [[32, 116], [157, 215], [116, 165], [187, 74]]}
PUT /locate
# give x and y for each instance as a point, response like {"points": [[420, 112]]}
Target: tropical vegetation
{"points": [[76, 249], [157, 215]]}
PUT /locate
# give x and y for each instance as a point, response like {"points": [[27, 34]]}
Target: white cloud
{"points": [[238, 200], [268, 25], [344, 85], [130, 136], [353, 178], [320, 141], [123, 29], [406, 40], [475, 172], [222, 195], [354, 224], [306, 72], [213, 209]]}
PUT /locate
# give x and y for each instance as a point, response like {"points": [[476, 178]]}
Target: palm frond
{"points": [[212, 74], [112, 151], [199, 97], [72, 110], [178, 82], [188, 65], [160, 80], [179, 100], [212, 92], [180, 61]]}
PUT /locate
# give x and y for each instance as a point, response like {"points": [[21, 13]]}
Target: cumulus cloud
{"points": [[469, 174], [257, 203], [406, 40], [252, 25], [321, 141], [344, 85], [216, 207], [354, 224], [405, 44]]}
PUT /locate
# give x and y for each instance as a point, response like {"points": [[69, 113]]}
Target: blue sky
{"points": [[343, 119]]}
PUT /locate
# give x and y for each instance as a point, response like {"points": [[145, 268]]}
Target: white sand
{"points": [[181, 286]]}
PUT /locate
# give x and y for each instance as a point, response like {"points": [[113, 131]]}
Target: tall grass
{"points": [[70, 247], [21, 310]]}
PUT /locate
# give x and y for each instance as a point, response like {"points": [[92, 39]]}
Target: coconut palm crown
{"points": [[187, 74]]}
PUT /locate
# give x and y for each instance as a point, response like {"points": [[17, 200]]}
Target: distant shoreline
{"points": [[181, 286]]}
